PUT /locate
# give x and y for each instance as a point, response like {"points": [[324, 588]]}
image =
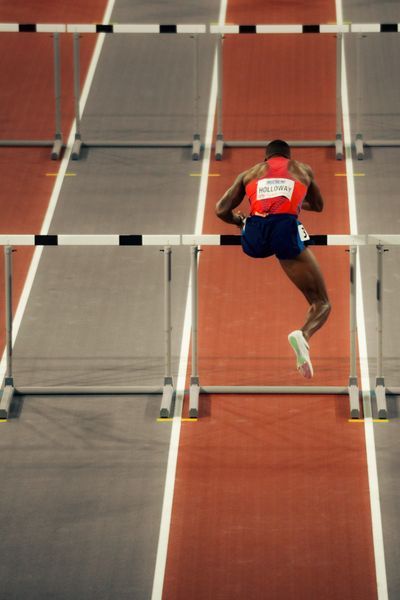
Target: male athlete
{"points": [[277, 189]]}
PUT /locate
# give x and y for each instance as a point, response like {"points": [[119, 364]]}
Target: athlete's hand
{"points": [[240, 219]]}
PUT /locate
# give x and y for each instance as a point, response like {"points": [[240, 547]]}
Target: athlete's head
{"points": [[277, 148]]}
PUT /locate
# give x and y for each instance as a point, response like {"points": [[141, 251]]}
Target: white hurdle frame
{"points": [[192, 30], [167, 390], [195, 241], [223, 30], [57, 143]]}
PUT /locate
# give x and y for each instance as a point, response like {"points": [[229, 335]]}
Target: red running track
{"points": [[27, 112], [271, 495]]}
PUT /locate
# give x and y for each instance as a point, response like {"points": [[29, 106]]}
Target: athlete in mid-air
{"points": [[278, 189]]}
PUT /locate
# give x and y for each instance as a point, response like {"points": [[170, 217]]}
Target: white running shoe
{"points": [[301, 348]]}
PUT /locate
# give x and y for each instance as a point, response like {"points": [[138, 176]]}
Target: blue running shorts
{"points": [[275, 234]]}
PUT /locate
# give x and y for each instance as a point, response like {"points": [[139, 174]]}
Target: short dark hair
{"points": [[277, 148]]}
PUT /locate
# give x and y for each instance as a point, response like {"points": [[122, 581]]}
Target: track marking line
{"points": [[209, 175], [169, 420], [376, 517], [341, 23], [345, 174], [373, 420], [65, 174], [166, 513]]}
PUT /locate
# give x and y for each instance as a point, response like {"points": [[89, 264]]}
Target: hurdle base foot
{"points": [[167, 398], [339, 147], [6, 399], [354, 397], [194, 394], [359, 146], [380, 393], [57, 148], [196, 147], [219, 147], [76, 148]]}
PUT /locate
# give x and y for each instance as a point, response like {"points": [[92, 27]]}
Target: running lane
{"points": [[27, 112], [271, 494], [371, 63]]}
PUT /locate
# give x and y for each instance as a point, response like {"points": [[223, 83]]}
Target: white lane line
{"points": [[166, 512], [377, 534], [56, 190]]}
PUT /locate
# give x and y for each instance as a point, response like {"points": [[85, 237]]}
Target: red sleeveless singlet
{"points": [[277, 192]]}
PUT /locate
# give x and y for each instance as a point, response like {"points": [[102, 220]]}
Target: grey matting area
{"points": [[80, 503], [83, 477], [374, 89]]}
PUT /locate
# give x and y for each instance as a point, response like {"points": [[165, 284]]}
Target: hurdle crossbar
{"points": [[193, 28], [90, 240]]}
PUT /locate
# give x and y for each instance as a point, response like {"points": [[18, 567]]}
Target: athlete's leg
{"points": [[305, 273]]}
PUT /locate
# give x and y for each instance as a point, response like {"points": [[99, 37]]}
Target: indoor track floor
{"points": [[271, 495]]}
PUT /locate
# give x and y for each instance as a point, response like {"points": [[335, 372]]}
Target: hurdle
{"points": [[221, 31], [57, 143], [191, 30], [352, 389], [9, 389], [362, 29]]}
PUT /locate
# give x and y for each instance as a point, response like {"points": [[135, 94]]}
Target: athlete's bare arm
{"points": [[230, 200], [313, 200], [234, 196]]}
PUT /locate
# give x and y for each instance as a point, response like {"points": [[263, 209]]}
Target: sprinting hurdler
{"points": [[278, 189]]}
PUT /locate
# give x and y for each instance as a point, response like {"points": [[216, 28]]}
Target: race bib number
{"points": [[303, 233], [273, 188]]}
